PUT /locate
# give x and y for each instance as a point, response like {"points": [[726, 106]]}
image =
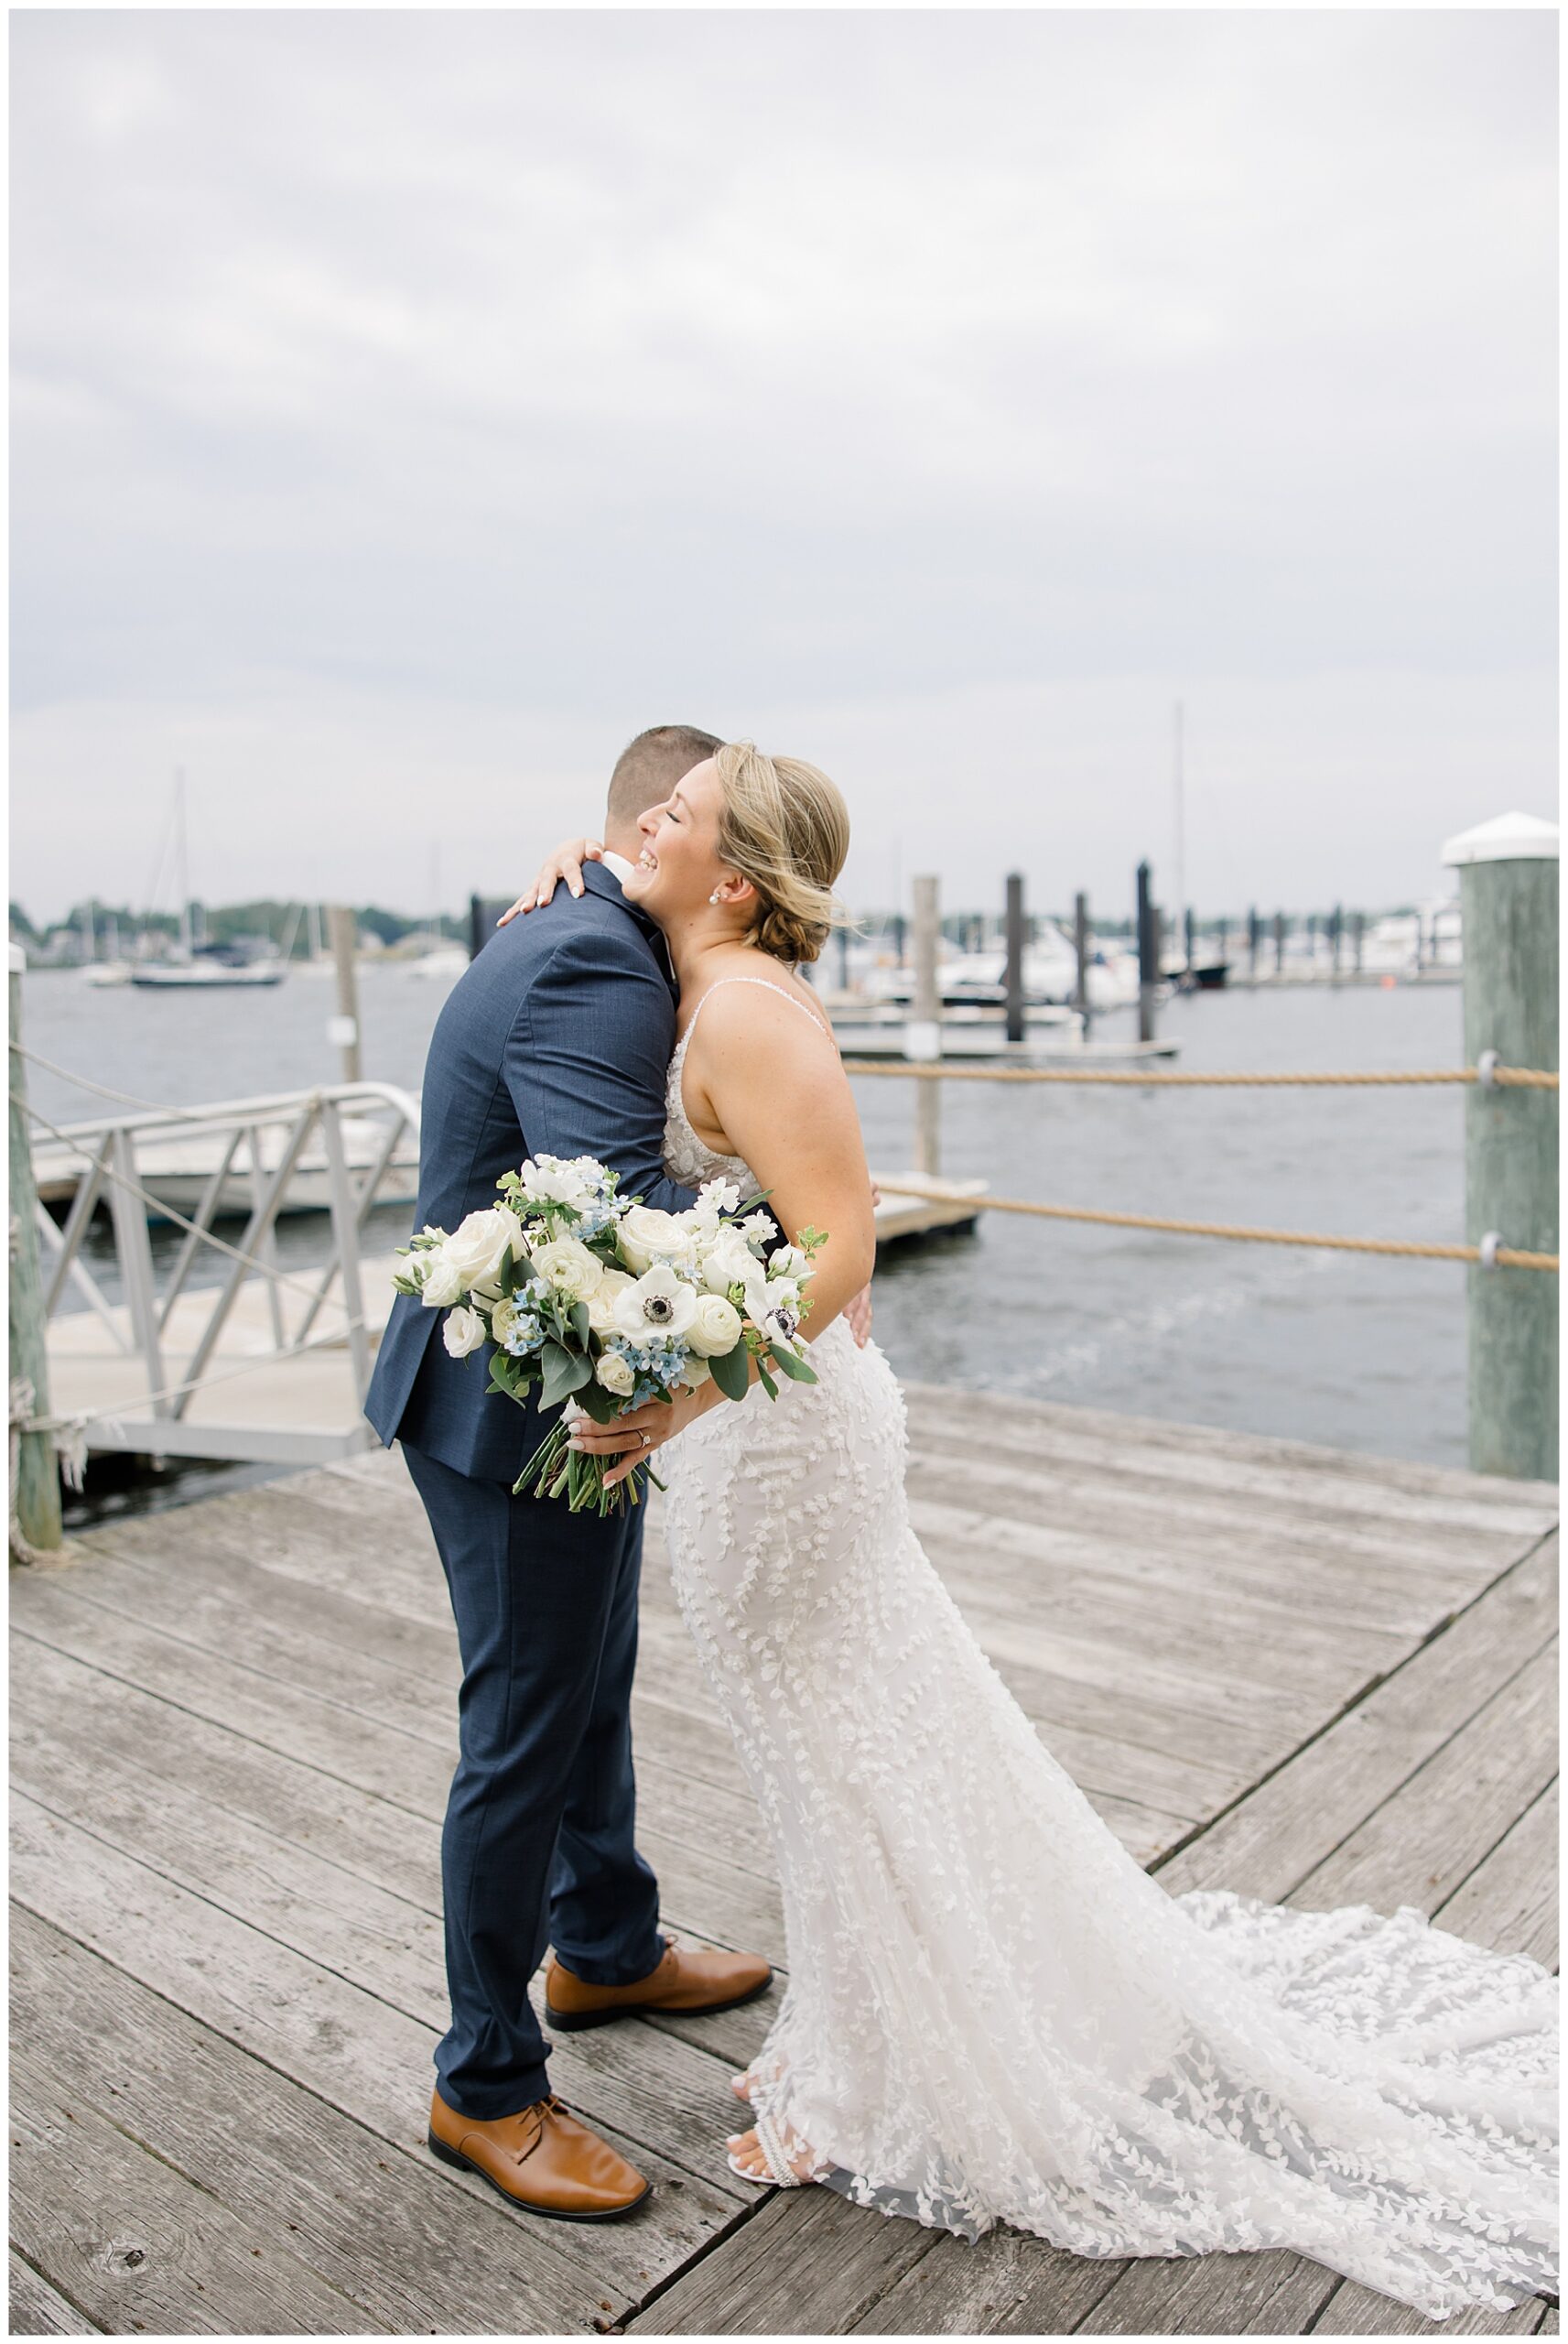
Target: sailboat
{"points": [[200, 967], [112, 970]]}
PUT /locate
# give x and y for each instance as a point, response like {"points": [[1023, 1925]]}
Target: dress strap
{"points": [[767, 986]]}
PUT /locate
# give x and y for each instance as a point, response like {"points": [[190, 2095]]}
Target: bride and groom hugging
{"points": [[560, 1040], [992, 2014]]}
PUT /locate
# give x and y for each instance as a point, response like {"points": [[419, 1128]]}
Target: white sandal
{"points": [[781, 2174]]}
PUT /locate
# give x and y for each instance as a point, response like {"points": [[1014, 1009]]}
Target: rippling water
{"points": [[1353, 1351]]}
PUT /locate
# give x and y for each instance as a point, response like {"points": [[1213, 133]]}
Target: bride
{"points": [[993, 2013]]}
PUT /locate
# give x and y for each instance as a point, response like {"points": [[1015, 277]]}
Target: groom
{"points": [[556, 1041]]}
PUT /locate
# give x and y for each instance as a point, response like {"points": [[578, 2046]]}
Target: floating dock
{"points": [[1319, 1677]]}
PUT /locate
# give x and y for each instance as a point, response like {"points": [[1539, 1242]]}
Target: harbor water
{"points": [[1353, 1350]]}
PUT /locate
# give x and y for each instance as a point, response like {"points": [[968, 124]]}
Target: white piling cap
{"points": [[18, 961], [1511, 838]]}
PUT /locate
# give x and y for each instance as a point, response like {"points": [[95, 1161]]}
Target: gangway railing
{"points": [[344, 1146]]}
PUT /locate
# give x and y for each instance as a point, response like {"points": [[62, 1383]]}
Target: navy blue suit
{"points": [[556, 1041]]}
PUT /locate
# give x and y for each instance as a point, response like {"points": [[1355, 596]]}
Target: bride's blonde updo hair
{"points": [[786, 828]]}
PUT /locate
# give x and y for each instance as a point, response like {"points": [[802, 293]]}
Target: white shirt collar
{"points": [[617, 864]]}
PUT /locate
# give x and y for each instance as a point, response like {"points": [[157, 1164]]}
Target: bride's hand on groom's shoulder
{"points": [[564, 861]]}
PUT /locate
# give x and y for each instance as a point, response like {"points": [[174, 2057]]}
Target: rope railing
{"points": [[943, 1071], [1490, 1256]]}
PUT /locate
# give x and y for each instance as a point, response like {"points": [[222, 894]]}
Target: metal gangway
{"points": [[269, 1361]]}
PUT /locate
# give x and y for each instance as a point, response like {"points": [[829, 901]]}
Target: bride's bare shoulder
{"points": [[738, 998]]}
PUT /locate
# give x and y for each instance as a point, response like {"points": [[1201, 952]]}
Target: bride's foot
{"points": [[772, 2154], [759, 2072]]}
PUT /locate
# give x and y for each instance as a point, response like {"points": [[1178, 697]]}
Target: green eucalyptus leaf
{"points": [[731, 1372], [565, 1373]]}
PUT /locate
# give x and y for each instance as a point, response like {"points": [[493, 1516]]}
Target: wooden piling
{"points": [[344, 1028], [1148, 956], [1508, 897], [37, 1491], [1015, 979], [1081, 954]]}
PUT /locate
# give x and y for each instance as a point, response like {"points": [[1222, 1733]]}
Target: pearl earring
{"points": [[714, 897]]}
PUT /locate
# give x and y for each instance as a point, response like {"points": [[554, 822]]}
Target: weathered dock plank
{"points": [[38, 2309], [1005, 2285], [808, 2264], [1268, 1843], [1272, 1666], [140, 2245], [1511, 1899], [382, 2228], [346, 2046]]}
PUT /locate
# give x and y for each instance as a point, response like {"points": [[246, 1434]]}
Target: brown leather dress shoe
{"points": [[684, 1983], [542, 2159]]}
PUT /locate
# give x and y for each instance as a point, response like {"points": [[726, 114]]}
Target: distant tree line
{"points": [[265, 920]]}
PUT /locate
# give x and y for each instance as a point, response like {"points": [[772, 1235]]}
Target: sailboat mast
{"points": [[1180, 889], [181, 860]]}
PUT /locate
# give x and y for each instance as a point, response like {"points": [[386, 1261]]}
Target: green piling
{"points": [[1509, 899]]}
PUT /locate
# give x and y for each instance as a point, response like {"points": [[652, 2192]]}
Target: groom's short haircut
{"points": [[649, 767]]}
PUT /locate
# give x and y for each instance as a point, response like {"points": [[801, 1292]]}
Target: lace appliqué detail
{"points": [[993, 2015]]}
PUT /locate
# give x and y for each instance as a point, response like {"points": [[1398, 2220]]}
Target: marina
{"points": [[1313, 1345], [1079, 480], [1315, 1677]]}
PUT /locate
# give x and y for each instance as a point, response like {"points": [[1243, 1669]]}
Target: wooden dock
{"points": [[1316, 1677]]}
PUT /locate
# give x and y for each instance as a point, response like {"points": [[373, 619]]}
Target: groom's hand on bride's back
{"points": [[857, 1311], [563, 863]]}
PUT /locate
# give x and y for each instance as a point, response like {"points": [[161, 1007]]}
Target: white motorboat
{"points": [[208, 965]]}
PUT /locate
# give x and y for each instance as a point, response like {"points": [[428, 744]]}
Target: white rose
{"points": [[570, 1268], [646, 1235], [694, 1374], [729, 1262], [464, 1332], [478, 1248], [616, 1375], [716, 1327], [441, 1282], [601, 1302], [657, 1307]]}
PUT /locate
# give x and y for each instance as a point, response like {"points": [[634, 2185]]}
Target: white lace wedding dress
{"points": [[993, 2015]]}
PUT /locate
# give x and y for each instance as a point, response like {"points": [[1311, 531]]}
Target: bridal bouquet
{"points": [[580, 1292]]}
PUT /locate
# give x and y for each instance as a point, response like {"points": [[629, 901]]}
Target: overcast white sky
{"points": [[410, 406]]}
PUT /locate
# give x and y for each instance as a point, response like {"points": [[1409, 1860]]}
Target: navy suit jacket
{"points": [[556, 1041]]}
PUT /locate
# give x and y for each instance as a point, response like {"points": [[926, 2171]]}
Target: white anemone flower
{"points": [[658, 1307]]}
